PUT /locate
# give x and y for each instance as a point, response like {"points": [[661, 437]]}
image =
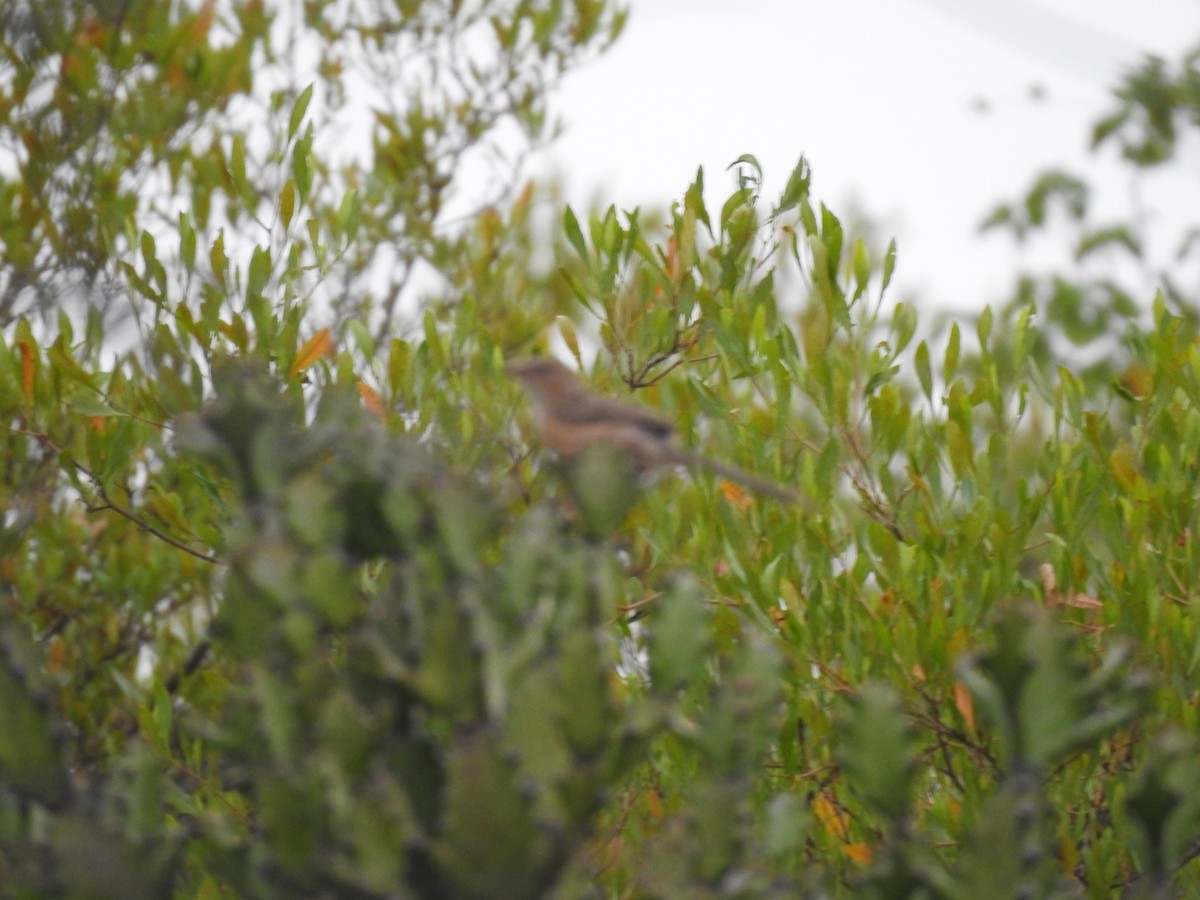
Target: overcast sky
{"points": [[919, 112]]}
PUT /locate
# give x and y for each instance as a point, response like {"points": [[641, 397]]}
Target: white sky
{"points": [[880, 95]]}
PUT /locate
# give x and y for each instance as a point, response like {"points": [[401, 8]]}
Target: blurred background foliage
{"points": [[293, 606]]}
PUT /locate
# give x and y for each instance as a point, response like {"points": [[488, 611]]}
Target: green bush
{"points": [[294, 606]]}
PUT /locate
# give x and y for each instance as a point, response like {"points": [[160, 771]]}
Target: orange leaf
{"points": [[735, 495], [860, 853], [370, 399], [56, 660], [964, 704], [1138, 380], [830, 816], [204, 19], [314, 348], [70, 66], [27, 366], [92, 35]]}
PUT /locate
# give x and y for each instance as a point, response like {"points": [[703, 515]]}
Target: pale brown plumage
{"points": [[571, 417]]}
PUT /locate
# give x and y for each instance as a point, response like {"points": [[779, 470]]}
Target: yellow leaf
{"points": [[1123, 463], [287, 202], [314, 348], [1068, 850], [958, 643], [567, 330], [654, 804]]}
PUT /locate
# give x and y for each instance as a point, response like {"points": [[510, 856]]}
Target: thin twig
{"points": [[107, 503], [146, 526]]}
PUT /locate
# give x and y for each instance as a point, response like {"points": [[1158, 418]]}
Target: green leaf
{"points": [[904, 324], [1106, 238], [603, 486], [287, 202], [162, 715], [797, 187], [31, 758], [398, 366], [889, 265], [90, 405], [1036, 685], [748, 182], [861, 264], [187, 242], [574, 233], [680, 639], [950, 363], [959, 449], [489, 843], [433, 340], [237, 163], [1164, 802], [149, 251], [302, 172], [349, 215], [217, 258], [62, 362], [260, 272], [330, 586], [693, 204], [983, 327], [298, 110], [585, 711], [577, 290], [924, 375], [877, 751]]}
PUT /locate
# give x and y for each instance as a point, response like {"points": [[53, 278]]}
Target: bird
{"points": [[572, 417]]}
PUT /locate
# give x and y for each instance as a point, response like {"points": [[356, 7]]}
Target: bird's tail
{"points": [[736, 475]]}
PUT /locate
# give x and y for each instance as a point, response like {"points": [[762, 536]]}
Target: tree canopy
{"points": [[294, 605]]}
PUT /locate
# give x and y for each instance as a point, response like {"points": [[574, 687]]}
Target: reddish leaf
{"points": [[28, 362], [370, 398]]}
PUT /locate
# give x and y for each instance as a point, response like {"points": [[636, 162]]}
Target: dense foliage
{"points": [[293, 606]]}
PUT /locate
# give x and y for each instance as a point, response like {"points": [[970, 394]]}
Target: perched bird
{"points": [[572, 417]]}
